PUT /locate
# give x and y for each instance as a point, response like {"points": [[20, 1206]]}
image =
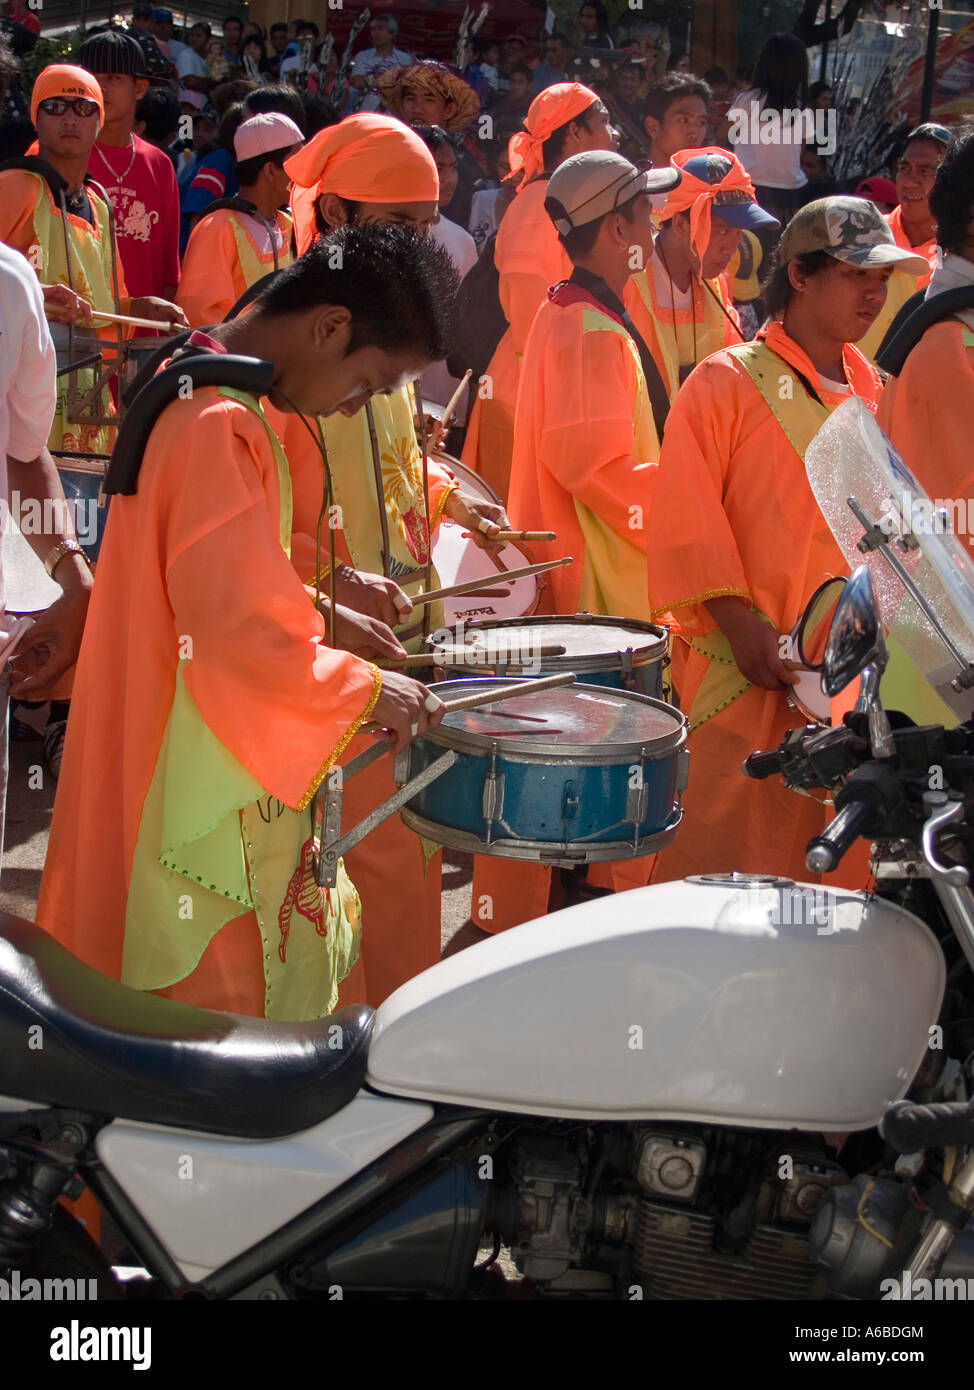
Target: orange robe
{"points": [[733, 514], [399, 889], [902, 285], [194, 554], [223, 259], [585, 455], [529, 260], [928, 413]]}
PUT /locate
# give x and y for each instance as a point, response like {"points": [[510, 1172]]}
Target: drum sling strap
{"points": [[655, 386], [916, 316]]}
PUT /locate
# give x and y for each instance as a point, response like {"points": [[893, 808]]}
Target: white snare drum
{"points": [[458, 560], [470, 482]]}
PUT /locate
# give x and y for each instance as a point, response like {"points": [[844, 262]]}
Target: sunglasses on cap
{"points": [[56, 106]]}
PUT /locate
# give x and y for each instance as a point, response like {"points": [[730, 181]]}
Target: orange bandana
{"points": [[367, 159], [695, 196], [65, 80], [551, 109]]}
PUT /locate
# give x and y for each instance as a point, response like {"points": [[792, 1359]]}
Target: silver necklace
{"points": [[115, 175]]}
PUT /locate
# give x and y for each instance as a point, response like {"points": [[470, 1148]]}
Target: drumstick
{"points": [[451, 404], [473, 585], [140, 323], [508, 692], [476, 657], [524, 536]]}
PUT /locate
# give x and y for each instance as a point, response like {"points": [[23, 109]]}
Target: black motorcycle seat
{"points": [[71, 1037]]}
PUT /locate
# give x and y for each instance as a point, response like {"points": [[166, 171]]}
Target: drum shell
{"points": [[571, 805], [644, 676], [81, 480]]}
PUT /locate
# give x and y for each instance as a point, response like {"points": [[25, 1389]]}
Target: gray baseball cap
{"points": [[850, 229], [590, 185]]}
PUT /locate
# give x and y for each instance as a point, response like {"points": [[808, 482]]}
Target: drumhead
{"points": [[469, 480], [458, 560], [592, 643], [561, 724]]}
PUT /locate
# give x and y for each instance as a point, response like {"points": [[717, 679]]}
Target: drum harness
{"points": [[914, 318]]}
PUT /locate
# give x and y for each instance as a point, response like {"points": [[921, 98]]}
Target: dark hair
{"points": [[952, 196], [159, 109], [580, 240], [481, 45], [232, 19], [230, 122], [255, 38], [247, 171], [201, 24], [601, 15], [276, 28], [227, 93], [714, 75], [555, 143], [399, 287], [677, 55], [522, 68], [781, 72], [778, 291], [304, 25], [279, 97], [663, 93], [555, 36], [317, 114], [434, 137], [816, 90], [350, 209]]}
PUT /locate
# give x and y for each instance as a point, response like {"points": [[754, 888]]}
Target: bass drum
{"points": [[469, 481], [458, 560]]}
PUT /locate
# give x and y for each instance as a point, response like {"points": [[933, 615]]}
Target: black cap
{"points": [[112, 51]]}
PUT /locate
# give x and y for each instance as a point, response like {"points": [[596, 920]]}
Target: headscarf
{"points": [[430, 79], [366, 158], [551, 109], [65, 80], [696, 196]]}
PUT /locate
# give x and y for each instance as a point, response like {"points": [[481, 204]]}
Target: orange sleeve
{"points": [[587, 435], [441, 484], [208, 287], [284, 705], [18, 198], [692, 553]]}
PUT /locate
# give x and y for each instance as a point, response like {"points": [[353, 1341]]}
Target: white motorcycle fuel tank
{"points": [[726, 999]]}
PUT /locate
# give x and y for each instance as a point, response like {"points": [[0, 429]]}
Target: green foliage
{"points": [[45, 51]]}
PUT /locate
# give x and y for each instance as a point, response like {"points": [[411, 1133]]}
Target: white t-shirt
{"points": [[436, 383], [369, 62], [777, 164], [483, 215], [668, 293], [27, 367], [190, 64]]}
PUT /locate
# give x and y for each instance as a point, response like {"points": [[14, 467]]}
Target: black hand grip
{"points": [[907, 1127], [761, 765], [825, 851]]}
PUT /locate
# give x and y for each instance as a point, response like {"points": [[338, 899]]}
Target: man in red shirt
{"points": [[138, 178]]}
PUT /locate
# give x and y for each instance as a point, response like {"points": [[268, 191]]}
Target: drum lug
{"points": [[682, 769], [637, 803], [569, 804], [626, 669], [493, 798]]}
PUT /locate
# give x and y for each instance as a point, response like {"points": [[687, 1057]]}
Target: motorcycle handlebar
{"points": [[761, 765], [907, 1127], [825, 851]]}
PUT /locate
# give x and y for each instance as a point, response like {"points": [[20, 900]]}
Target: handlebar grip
{"points": [[761, 765], [907, 1127], [825, 851]]}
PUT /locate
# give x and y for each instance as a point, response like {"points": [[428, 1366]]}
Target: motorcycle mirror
{"points": [[812, 632], [856, 641]]}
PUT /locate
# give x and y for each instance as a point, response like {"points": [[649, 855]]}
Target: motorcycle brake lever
{"points": [[943, 810]]}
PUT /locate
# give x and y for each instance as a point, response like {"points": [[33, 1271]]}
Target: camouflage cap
{"points": [[850, 229]]}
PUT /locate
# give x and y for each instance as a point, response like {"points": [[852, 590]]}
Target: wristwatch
{"points": [[57, 553]]}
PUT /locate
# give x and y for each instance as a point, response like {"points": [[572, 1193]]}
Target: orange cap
{"points": [[65, 80], [366, 158], [551, 109]]}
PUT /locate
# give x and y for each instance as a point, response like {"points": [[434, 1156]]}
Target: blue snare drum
{"points": [[620, 653], [569, 776]]}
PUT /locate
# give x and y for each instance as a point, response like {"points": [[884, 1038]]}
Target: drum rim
{"points": [[551, 853], [558, 755], [650, 654]]}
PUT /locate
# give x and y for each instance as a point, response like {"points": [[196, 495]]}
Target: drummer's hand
{"points": [[149, 306], [63, 305], [435, 433], [372, 595], [50, 647], [755, 645], [402, 708], [482, 519], [361, 635]]}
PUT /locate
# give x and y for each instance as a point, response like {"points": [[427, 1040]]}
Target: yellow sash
{"points": [[253, 265], [677, 340]]}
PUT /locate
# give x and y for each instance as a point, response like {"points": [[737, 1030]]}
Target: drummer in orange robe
{"points": [[585, 450], [207, 709], [928, 410], [738, 545], [563, 120], [681, 301], [373, 170], [912, 223], [232, 247]]}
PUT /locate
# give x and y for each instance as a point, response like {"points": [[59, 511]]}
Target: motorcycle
{"points": [[731, 1087]]}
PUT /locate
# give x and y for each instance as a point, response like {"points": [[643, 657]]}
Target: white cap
{"points": [[265, 133]]}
